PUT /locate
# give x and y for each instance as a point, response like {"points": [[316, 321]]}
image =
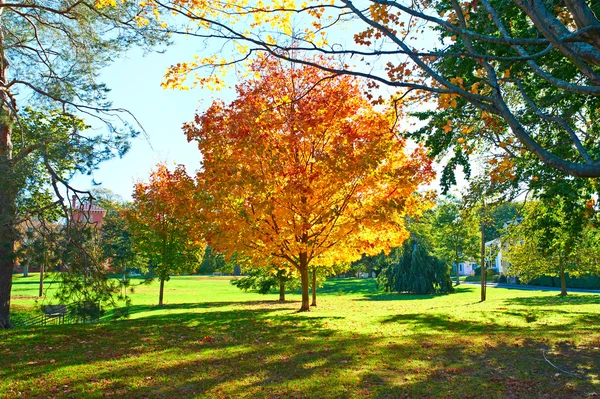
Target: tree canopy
{"points": [[529, 68], [51, 53], [301, 170]]}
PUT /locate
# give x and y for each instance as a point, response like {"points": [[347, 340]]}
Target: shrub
{"points": [[502, 279]]}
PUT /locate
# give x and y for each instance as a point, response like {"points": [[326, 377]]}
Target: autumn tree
{"points": [[162, 223], [51, 53], [300, 168]]}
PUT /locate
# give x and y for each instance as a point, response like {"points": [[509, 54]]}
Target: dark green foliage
{"points": [[264, 281], [413, 269], [502, 279], [212, 261], [84, 280], [499, 215], [585, 282]]}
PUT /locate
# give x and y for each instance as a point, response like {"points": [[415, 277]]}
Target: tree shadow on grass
{"points": [[133, 309], [342, 286], [402, 296], [256, 352], [555, 300]]}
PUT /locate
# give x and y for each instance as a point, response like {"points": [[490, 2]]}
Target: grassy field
{"points": [[213, 341]]}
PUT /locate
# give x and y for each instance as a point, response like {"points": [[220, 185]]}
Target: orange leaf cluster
{"points": [[163, 219], [301, 168]]}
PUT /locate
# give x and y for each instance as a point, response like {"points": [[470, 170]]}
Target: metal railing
{"points": [[62, 314]]}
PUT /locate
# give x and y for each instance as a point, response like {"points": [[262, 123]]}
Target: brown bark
{"points": [[8, 238], [161, 291], [281, 291], [303, 269], [314, 287], [8, 192], [563, 284]]}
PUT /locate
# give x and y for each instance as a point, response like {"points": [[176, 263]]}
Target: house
{"points": [[466, 268], [494, 249], [86, 212]]}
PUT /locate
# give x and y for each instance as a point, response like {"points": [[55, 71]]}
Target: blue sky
{"points": [[135, 85]]}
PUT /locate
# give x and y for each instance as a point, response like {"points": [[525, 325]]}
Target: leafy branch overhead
{"points": [[518, 75]]}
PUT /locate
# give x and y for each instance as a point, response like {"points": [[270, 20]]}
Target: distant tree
{"points": [[161, 220], [499, 215], [333, 179], [39, 246], [265, 280], [413, 268], [554, 238], [116, 236], [456, 232], [211, 261]]}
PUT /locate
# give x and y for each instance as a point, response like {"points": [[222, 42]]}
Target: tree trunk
{"points": [[43, 266], [483, 271], [563, 284], [314, 287], [8, 238], [8, 190], [457, 274], [281, 291], [41, 292], [303, 269], [162, 289]]}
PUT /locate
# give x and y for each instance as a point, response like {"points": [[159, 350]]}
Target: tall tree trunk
{"points": [[483, 270], [8, 191], [314, 287], [162, 289], [303, 269], [563, 283], [8, 238], [281, 290]]}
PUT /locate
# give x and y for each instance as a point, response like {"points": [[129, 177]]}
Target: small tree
{"points": [[456, 233], [553, 239], [265, 280], [413, 269], [162, 223]]}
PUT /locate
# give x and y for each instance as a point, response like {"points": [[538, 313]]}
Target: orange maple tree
{"points": [[162, 223], [301, 170]]}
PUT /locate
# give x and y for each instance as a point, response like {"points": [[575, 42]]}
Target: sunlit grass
{"points": [[212, 340]]}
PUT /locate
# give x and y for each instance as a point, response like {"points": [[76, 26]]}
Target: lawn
{"points": [[212, 340]]}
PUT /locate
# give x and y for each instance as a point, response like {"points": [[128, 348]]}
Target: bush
{"points": [[496, 278], [584, 282], [502, 279], [489, 273]]}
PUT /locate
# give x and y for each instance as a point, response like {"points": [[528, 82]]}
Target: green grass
{"points": [[212, 340]]}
